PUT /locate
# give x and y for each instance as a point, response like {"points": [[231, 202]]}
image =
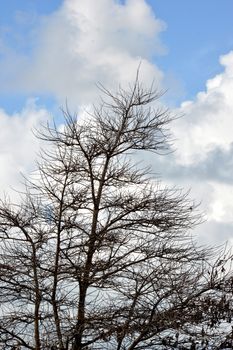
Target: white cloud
{"points": [[203, 160], [208, 120], [88, 41], [18, 145]]}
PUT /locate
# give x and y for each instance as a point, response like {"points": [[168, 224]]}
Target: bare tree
{"points": [[99, 255]]}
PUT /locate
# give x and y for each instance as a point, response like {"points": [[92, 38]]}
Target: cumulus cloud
{"points": [[18, 145], [85, 42], [208, 120], [203, 160]]}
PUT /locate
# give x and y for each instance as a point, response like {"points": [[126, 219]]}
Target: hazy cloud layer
{"points": [[85, 42], [82, 43]]}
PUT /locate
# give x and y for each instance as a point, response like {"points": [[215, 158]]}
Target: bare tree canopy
{"points": [[98, 255]]}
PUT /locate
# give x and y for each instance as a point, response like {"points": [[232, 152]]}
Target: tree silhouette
{"points": [[98, 254]]}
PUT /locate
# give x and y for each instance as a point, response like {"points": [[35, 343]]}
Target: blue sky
{"points": [[17, 21], [55, 51], [198, 32]]}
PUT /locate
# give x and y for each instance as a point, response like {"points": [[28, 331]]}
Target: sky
{"points": [[53, 52]]}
